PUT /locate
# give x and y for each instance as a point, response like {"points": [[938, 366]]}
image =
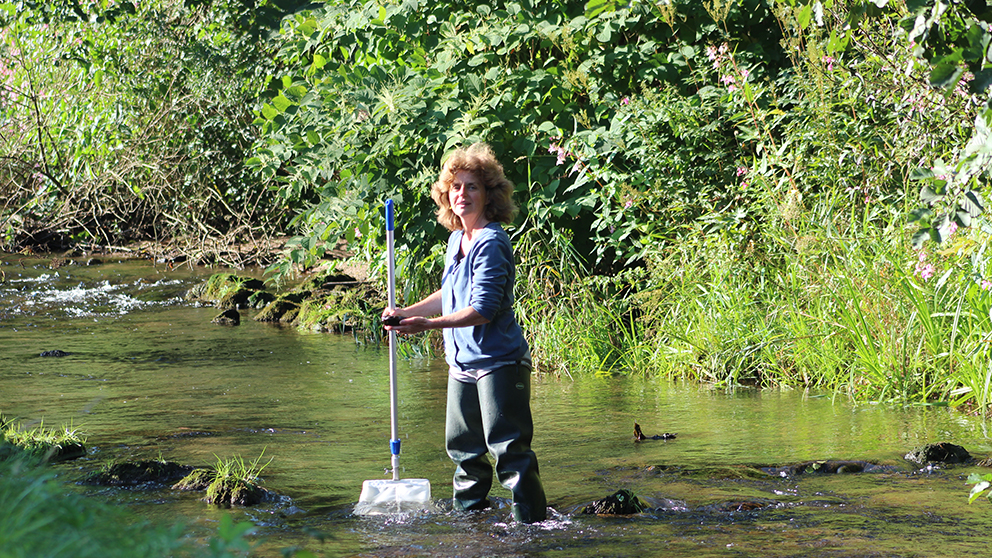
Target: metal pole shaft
{"points": [[393, 398]]}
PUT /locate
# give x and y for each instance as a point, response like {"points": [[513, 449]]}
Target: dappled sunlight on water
{"points": [[147, 377]]}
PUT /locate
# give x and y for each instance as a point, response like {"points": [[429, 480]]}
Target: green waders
{"points": [[493, 416]]}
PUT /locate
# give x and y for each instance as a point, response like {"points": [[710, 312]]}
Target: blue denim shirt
{"points": [[482, 279]]}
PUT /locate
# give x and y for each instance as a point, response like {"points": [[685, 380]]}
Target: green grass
{"points": [[41, 441]]}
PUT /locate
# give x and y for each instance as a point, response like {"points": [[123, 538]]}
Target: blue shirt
{"points": [[482, 279]]}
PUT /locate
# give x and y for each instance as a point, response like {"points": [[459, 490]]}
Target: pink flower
{"points": [[358, 233], [711, 53], [986, 284], [829, 61], [625, 101], [741, 171], [952, 228], [628, 204]]}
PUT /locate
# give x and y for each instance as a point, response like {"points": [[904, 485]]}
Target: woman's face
{"points": [[467, 197]]}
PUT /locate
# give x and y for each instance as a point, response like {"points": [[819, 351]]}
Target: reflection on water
{"points": [[148, 376]]}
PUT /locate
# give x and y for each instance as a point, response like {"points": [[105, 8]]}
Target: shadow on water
{"points": [[147, 376]]}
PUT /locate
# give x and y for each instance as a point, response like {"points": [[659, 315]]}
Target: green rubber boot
{"points": [[493, 416]]}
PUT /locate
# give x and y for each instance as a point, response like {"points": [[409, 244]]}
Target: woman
{"points": [[488, 358]]}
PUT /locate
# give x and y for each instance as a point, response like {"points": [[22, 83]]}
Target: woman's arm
{"points": [[430, 306], [416, 316]]}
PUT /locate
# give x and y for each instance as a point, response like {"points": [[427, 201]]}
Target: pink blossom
{"points": [[829, 61], [711, 53], [952, 228], [986, 284], [924, 269], [628, 204], [358, 233], [625, 101], [741, 171]]}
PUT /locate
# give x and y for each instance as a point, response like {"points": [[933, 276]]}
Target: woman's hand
{"points": [[411, 324]]}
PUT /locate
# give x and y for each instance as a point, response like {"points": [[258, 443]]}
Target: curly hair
{"points": [[480, 160]]}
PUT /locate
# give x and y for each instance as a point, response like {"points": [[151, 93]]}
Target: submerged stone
{"points": [[830, 466], [739, 505], [942, 452], [142, 472]]}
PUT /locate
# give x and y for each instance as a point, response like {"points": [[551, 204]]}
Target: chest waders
{"points": [[493, 416]]}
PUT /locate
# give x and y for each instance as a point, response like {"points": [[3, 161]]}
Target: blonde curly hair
{"points": [[480, 160]]}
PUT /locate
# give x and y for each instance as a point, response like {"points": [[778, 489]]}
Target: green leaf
{"points": [[976, 491], [922, 215], [804, 16], [931, 195], [596, 7], [281, 103], [920, 237], [947, 71], [973, 203]]}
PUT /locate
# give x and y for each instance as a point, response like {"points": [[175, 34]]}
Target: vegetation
{"points": [[41, 442], [40, 516], [742, 193], [236, 482], [123, 121]]}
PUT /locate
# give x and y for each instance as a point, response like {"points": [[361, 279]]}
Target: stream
{"points": [[147, 376]]}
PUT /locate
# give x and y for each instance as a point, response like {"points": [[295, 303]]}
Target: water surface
{"points": [[147, 377]]}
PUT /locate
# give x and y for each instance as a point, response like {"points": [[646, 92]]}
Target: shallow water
{"points": [[147, 377]]}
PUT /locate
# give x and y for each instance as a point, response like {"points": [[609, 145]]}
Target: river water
{"points": [[148, 377]]}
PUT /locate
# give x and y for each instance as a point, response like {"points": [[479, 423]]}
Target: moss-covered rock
{"points": [[227, 290], [198, 479], [340, 309], [231, 491], [259, 299], [282, 309]]}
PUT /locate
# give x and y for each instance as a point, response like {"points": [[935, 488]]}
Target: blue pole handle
{"points": [[389, 215], [394, 446]]}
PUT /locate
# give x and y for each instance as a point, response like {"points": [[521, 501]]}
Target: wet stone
{"points": [[622, 502], [942, 452], [229, 317], [54, 353]]}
